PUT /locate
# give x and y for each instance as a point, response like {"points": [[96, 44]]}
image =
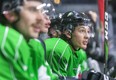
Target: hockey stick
{"points": [[102, 5], [106, 35]]}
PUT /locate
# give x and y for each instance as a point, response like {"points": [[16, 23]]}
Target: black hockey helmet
{"points": [[15, 6], [12, 5], [55, 26], [56, 22], [72, 19], [8, 5]]}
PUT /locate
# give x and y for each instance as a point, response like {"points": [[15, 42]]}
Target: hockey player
{"points": [[21, 56], [65, 54]]}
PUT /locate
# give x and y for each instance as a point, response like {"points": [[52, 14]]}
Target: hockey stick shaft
{"points": [[102, 5]]}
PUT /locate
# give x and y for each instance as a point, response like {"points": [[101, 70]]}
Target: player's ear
{"points": [[67, 33], [10, 16]]}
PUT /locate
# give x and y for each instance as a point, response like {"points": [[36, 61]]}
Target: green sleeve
{"points": [[14, 56]]}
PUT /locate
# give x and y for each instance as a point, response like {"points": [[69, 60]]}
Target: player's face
{"points": [[45, 24], [80, 37], [31, 19]]}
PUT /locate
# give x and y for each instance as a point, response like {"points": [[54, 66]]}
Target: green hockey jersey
{"points": [[22, 60], [62, 59]]}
